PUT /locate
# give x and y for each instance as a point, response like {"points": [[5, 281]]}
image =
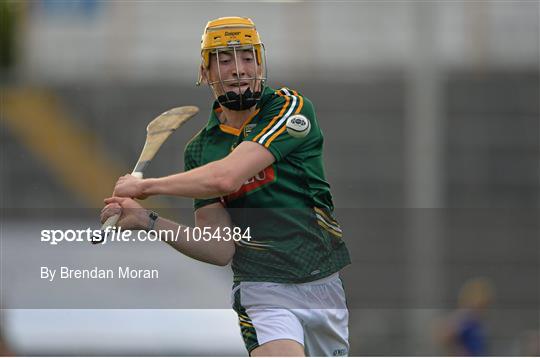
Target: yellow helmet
{"points": [[228, 32]]}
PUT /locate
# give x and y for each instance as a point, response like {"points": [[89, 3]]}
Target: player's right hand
{"points": [[132, 215], [129, 186]]}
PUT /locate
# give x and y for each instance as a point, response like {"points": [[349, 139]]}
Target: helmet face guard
{"points": [[232, 50], [249, 80]]}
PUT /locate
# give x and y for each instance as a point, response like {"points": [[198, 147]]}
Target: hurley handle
{"points": [[111, 221]]}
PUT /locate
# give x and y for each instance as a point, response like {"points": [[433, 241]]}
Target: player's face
{"points": [[234, 71]]}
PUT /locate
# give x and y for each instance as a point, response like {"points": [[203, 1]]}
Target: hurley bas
{"points": [[122, 272]]}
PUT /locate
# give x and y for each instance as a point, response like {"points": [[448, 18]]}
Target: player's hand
{"points": [[132, 215], [129, 186]]}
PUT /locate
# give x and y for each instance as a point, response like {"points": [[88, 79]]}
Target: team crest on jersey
{"points": [[248, 128], [264, 177]]}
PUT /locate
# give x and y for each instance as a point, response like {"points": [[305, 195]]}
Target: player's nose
{"points": [[240, 69]]}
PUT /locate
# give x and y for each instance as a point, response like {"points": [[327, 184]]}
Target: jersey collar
{"points": [[213, 121]]}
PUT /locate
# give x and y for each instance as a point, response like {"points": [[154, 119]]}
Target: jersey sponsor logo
{"points": [[264, 177]]}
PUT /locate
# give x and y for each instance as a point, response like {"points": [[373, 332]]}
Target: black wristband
{"points": [[152, 216]]}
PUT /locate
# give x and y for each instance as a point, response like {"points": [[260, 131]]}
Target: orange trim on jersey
{"points": [[229, 130], [281, 130], [287, 100], [275, 135], [236, 131], [301, 102]]}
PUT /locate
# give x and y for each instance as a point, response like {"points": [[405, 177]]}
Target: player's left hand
{"points": [[132, 215], [129, 186]]}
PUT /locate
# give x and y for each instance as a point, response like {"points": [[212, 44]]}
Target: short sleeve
{"points": [[271, 131], [192, 160]]}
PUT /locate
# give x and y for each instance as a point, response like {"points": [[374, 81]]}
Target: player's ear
{"points": [[204, 74]]}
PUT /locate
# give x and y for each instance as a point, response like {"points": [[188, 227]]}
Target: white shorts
{"points": [[313, 314]]}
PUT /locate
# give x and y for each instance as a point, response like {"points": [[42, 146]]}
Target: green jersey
{"points": [[288, 206]]}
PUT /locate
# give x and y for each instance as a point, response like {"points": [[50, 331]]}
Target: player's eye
{"points": [[247, 56]]}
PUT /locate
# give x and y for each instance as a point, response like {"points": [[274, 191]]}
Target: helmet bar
{"points": [[256, 82]]}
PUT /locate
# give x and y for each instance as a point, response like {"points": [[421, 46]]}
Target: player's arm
{"points": [[214, 179], [212, 216], [268, 142], [216, 251]]}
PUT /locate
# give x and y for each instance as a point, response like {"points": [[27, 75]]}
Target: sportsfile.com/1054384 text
{"points": [[116, 234]]}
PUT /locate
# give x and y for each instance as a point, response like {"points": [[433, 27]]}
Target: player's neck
{"points": [[235, 119]]}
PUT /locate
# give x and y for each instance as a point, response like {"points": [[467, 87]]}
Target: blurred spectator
{"points": [[463, 333]]}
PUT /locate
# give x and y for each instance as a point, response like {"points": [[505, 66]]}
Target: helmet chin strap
{"points": [[236, 102]]}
